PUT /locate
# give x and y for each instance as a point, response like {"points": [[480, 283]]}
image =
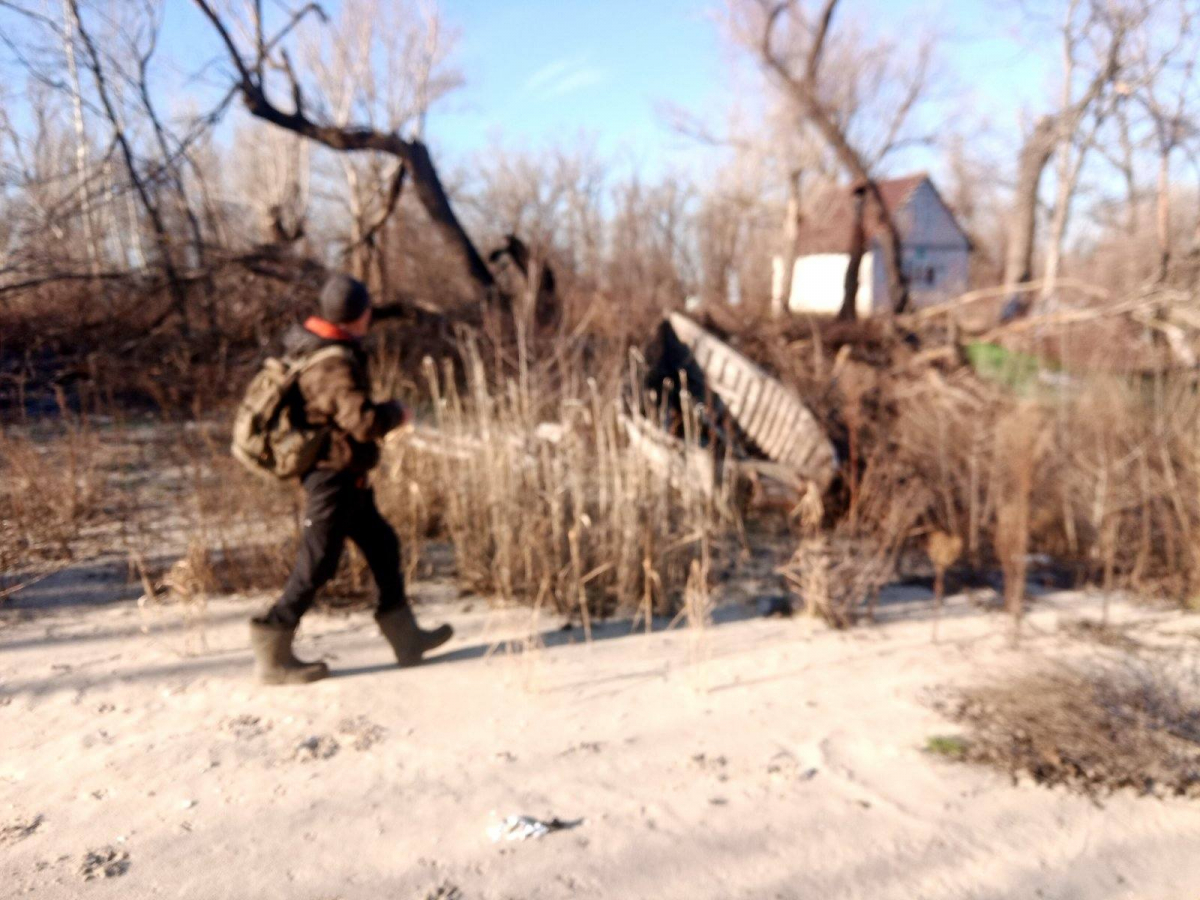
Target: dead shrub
{"points": [[1021, 437], [837, 575], [932, 448], [51, 487], [249, 525], [544, 500], [944, 550], [1129, 489], [840, 571], [1094, 727], [1098, 472], [530, 478]]}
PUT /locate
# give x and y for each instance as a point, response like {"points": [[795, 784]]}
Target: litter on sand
{"points": [[522, 828]]}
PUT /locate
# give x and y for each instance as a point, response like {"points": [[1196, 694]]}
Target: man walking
{"points": [[335, 394]]}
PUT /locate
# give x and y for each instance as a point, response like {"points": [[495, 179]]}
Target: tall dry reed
{"points": [[51, 487], [544, 499]]}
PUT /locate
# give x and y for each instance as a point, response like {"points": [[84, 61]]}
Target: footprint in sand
{"points": [[715, 764], [319, 746], [366, 734], [107, 862], [784, 766], [245, 727], [20, 830]]}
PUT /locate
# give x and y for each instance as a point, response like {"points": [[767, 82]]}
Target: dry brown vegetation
{"points": [[50, 489], [1095, 727], [1094, 471], [143, 273], [523, 468], [543, 498]]}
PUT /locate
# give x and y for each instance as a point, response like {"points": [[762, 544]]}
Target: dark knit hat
{"points": [[343, 299]]}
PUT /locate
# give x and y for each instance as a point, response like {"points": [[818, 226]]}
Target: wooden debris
{"points": [[683, 465], [769, 414]]}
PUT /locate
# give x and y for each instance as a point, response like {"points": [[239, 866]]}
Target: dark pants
{"points": [[339, 506]]}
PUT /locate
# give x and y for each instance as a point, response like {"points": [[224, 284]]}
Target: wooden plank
{"points": [[769, 414]]}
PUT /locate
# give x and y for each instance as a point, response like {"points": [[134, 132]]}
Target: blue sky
{"points": [[540, 72]]}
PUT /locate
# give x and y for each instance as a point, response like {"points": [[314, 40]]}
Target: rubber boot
{"points": [[409, 641], [274, 662]]}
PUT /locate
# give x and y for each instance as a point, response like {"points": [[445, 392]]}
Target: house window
{"points": [[921, 274]]}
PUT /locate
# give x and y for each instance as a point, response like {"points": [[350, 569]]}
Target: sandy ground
{"points": [[757, 758]]}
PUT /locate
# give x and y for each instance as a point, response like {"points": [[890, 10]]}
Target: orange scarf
{"points": [[327, 330]]}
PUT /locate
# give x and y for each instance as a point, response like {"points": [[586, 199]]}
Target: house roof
{"points": [[898, 191], [828, 226]]}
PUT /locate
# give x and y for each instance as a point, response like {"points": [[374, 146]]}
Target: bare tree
{"points": [[724, 234], [385, 65], [978, 200], [649, 254], [1165, 89], [252, 65], [1037, 147], [542, 212], [1099, 31], [790, 249], [766, 152], [802, 159], [149, 202], [858, 247], [274, 179], [81, 141], [827, 81], [1091, 36], [1153, 127], [128, 170], [1124, 157], [49, 162]]}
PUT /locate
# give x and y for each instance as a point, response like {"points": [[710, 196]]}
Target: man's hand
{"points": [[398, 415]]}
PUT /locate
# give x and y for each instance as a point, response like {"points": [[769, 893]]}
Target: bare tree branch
{"points": [[389, 206], [413, 153], [162, 238], [819, 38], [805, 91]]}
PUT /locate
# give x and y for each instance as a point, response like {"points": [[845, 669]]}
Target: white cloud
{"points": [[563, 76], [549, 72], [577, 80]]}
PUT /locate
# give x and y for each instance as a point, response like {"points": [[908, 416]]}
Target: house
{"points": [[936, 249]]}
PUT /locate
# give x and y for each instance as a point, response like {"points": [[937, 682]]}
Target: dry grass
{"points": [[526, 472], [1098, 472], [543, 499], [944, 550], [51, 487], [1101, 475], [243, 530], [1093, 727], [1021, 438], [838, 575]]}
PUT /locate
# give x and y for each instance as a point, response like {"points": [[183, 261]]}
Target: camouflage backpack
{"points": [[270, 433]]}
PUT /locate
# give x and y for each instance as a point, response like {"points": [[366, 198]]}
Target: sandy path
{"points": [[757, 759]]}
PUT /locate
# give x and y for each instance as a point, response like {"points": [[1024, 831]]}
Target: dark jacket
{"points": [[337, 394]]}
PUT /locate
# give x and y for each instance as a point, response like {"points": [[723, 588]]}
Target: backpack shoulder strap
{"points": [[297, 366], [331, 352]]}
